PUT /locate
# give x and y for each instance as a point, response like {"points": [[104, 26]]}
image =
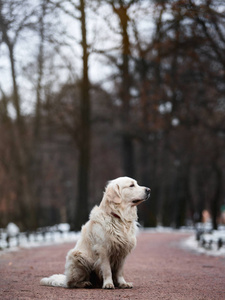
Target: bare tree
{"points": [[120, 8], [80, 129], [11, 28], [84, 138]]}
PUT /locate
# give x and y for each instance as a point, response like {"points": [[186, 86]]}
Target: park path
{"points": [[158, 267]]}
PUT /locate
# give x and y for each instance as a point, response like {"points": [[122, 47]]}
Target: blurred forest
{"points": [[95, 89]]}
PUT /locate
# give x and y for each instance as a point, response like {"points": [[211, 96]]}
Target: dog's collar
{"points": [[115, 215]]}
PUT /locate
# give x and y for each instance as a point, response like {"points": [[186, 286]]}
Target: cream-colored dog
{"points": [[106, 240]]}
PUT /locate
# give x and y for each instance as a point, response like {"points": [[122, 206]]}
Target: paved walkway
{"points": [[158, 267]]}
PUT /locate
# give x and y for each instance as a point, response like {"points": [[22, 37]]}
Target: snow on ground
{"points": [[12, 229], [12, 240], [193, 245], [61, 234], [208, 240]]}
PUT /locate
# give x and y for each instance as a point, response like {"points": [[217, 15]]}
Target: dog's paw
{"points": [[109, 286], [126, 285]]}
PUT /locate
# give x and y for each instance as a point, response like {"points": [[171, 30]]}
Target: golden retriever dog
{"points": [[106, 240]]}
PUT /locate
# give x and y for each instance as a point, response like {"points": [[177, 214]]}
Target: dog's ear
{"points": [[116, 198], [113, 193], [111, 198]]}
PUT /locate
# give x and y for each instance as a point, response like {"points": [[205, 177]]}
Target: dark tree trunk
{"points": [[40, 73], [127, 139], [82, 211], [216, 201]]}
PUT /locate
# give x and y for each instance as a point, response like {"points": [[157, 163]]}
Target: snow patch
{"points": [[11, 239], [191, 244], [12, 229]]}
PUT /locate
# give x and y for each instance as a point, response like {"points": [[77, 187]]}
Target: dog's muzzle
{"points": [[148, 193]]}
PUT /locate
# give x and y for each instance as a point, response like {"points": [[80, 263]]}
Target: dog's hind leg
{"points": [[77, 270]]}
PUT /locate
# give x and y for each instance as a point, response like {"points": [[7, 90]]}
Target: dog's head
{"points": [[122, 195]]}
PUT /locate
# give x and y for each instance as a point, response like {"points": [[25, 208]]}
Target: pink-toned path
{"points": [[158, 267]]}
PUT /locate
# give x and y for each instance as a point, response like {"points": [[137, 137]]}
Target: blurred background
{"points": [[95, 89]]}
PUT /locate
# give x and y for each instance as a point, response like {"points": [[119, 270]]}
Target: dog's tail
{"points": [[54, 280]]}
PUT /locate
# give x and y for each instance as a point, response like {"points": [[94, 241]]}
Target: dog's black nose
{"points": [[148, 191]]}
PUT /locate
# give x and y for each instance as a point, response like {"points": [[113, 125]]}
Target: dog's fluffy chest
{"points": [[119, 237], [121, 242]]}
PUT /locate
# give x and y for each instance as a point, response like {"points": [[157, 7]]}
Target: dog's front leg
{"points": [[106, 272], [120, 279]]}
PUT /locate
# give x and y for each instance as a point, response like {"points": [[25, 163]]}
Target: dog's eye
{"points": [[132, 185]]}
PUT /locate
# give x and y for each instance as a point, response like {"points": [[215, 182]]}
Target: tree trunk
{"points": [[216, 201], [82, 211], [40, 73], [127, 139], [20, 150]]}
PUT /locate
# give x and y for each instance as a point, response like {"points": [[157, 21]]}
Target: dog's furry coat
{"points": [[106, 240]]}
